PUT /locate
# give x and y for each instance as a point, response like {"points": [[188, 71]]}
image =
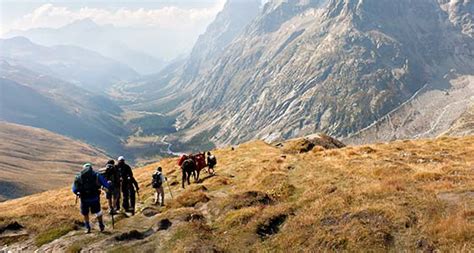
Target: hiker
{"points": [[87, 187], [211, 162], [129, 185], [112, 176], [157, 183]]}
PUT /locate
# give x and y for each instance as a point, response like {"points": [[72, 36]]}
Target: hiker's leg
{"points": [[115, 197], [95, 209], [155, 200], [162, 195], [110, 200], [99, 218], [87, 223], [125, 200], [118, 198], [85, 212], [132, 198]]}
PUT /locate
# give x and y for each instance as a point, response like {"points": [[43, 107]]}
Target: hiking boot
{"points": [[88, 228], [101, 227]]}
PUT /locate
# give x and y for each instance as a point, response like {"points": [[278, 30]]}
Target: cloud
{"points": [[170, 17]]}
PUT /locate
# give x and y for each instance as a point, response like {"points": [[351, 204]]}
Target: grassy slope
{"points": [[410, 195], [34, 159]]}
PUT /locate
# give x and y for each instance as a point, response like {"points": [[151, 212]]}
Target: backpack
{"points": [[212, 160], [156, 181], [112, 175], [87, 183]]}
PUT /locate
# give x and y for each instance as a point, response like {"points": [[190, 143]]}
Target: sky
{"points": [[164, 29], [169, 14]]}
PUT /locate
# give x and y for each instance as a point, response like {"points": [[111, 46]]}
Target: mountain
{"points": [[333, 66], [38, 100], [35, 160], [82, 67], [428, 114], [143, 49], [394, 197], [174, 84], [464, 125], [460, 14]]}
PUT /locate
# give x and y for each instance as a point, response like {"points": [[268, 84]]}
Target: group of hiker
{"points": [[117, 180]]}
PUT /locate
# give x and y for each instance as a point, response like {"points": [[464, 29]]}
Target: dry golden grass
{"points": [[400, 196]]}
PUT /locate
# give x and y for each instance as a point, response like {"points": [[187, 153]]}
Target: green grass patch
{"points": [[52, 234], [74, 248], [154, 124]]}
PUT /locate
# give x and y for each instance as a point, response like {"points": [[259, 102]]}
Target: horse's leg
{"points": [[189, 177], [183, 178], [197, 178]]}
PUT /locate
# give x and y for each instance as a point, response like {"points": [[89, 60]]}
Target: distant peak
{"points": [[19, 40], [86, 23]]}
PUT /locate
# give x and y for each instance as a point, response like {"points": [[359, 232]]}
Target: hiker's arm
{"points": [[74, 190], [103, 182], [135, 183], [130, 171]]}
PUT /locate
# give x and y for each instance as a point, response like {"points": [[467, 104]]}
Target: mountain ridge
{"points": [[35, 160], [333, 66]]}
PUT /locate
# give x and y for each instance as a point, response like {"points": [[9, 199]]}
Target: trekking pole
{"points": [[169, 188], [113, 220]]}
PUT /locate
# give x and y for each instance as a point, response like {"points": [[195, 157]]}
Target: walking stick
{"points": [[169, 188], [113, 220]]}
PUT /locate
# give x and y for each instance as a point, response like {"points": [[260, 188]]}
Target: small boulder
{"points": [[164, 224], [131, 235], [149, 212]]}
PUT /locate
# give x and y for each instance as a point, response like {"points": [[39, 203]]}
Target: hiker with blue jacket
{"points": [[87, 186]]}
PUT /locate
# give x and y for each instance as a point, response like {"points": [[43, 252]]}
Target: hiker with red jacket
{"points": [[87, 186], [129, 185]]}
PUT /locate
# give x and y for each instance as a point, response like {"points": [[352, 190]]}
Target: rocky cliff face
{"points": [[175, 83], [460, 14], [334, 66]]}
